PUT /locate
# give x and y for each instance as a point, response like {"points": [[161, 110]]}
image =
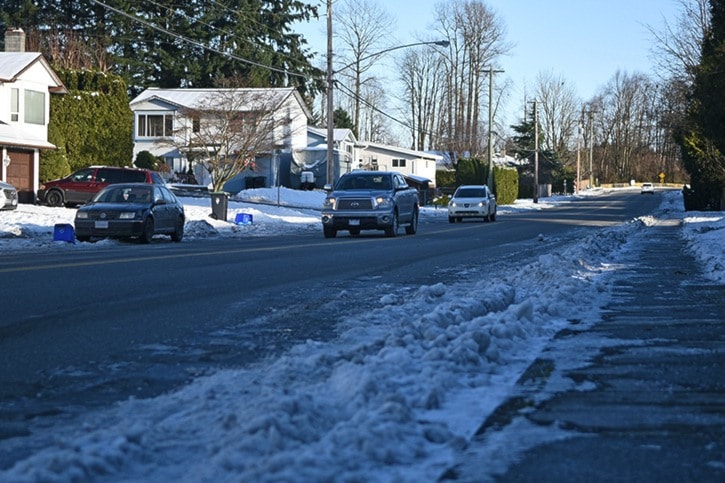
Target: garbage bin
{"points": [[219, 204]]}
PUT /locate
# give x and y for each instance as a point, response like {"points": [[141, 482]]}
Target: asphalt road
{"points": [[86, 328]]}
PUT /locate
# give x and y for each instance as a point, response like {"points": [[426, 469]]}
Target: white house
{"points": [[26, 83], [165, 123], [408, 162]]}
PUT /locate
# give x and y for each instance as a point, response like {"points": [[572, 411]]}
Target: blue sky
{"points": [[583, 41]]}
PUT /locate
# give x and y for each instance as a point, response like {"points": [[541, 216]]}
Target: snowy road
{"points": [[423, 348]]}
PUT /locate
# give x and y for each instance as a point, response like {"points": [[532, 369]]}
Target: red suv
{"points": [[80, 186]]}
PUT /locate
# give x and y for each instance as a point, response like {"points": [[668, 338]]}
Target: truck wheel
{"points": [[329, 232], [413, 227], [393, 229]]}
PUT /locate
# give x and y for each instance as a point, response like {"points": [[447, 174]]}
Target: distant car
{"points": [[8, 196], [80, 186], [472, 201], [131, 210], [648, 188]]}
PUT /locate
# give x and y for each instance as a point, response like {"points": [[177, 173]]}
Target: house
{"points": [[417, 166], [313, 159], [26, 82], [167, 122]]}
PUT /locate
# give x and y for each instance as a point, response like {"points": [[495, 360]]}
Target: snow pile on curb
{"points": [[392, 399]]}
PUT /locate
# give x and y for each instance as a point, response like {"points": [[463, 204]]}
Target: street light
{"points": [[331, 81]]}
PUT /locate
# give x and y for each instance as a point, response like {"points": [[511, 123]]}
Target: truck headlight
{"points": [[329, 203], [383, 202]]}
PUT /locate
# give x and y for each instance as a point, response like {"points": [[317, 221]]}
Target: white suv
{"points": [[472, 201], [648, 188]]}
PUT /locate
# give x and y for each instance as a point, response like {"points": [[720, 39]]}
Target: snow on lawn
{"points": [[394, 398]]}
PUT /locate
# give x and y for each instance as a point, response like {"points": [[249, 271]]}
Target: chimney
{"points": [[14, 40]]}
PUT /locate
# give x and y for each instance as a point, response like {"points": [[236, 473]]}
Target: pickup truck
{"points": [[370, 200]]}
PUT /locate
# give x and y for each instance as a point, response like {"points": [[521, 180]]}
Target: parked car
{"points": [[131, 210], [8, 196], [370, 200], [648, 188], [472, 201], [80, 186]]}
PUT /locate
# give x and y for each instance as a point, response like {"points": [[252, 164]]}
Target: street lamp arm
{"points": [[441, 43]]}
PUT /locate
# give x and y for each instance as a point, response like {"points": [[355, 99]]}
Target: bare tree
{"points": [[477, 39], [558, 114], [421, 72], [677, 47], [229, 127], [364, 30]]}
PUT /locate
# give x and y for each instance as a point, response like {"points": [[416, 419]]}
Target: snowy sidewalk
{"points": [[646, 402]]}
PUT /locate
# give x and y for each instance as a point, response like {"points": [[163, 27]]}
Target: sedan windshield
{"points": [[136, 194]]}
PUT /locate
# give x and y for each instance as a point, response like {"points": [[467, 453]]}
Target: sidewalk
{"points": [[646, 401]]}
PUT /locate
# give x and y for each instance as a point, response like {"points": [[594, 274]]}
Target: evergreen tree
{"points": [[342, 120], [185, 43], [702, 137]]}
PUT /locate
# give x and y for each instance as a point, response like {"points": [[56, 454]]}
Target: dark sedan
{"points": [[131, 210]]}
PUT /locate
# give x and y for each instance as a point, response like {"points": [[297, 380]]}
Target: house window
{"points": [[155, 125], [195, 124], [15, 104], [34, 107], [399, 163]]}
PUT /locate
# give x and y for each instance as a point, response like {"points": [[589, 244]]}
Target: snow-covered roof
{"points": [[396, 149], [338, 134], [13, 64], [196, 98]]}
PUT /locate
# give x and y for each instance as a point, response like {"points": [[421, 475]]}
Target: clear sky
{"points": [[583, 41]]}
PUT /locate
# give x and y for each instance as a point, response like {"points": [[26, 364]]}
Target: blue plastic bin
{"points": [[243, 219], [64, 232]]}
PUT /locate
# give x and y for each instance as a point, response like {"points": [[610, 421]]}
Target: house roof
{"points": [[14, 136], [198, 98], [395, 149], [337, 134], [14, 64]]}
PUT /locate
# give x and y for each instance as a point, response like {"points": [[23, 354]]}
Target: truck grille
{"points": [[355, 204]]}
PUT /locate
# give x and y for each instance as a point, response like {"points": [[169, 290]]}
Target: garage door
{"points": [[20, 174]]}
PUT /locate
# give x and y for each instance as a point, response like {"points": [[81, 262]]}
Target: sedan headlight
{"points": [[127, 215], [82, 215]]}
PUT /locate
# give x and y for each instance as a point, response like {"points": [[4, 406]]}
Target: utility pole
{"points": [[489, 178], [591, 148], [536, 153], [330, 111], [578, 153]]}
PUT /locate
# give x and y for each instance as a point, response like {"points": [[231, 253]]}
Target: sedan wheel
{"points": [[148, 230], [178, 234]]}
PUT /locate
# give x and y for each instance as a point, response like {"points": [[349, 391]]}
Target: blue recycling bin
{"points": [[64, 232], [243, 219]]}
